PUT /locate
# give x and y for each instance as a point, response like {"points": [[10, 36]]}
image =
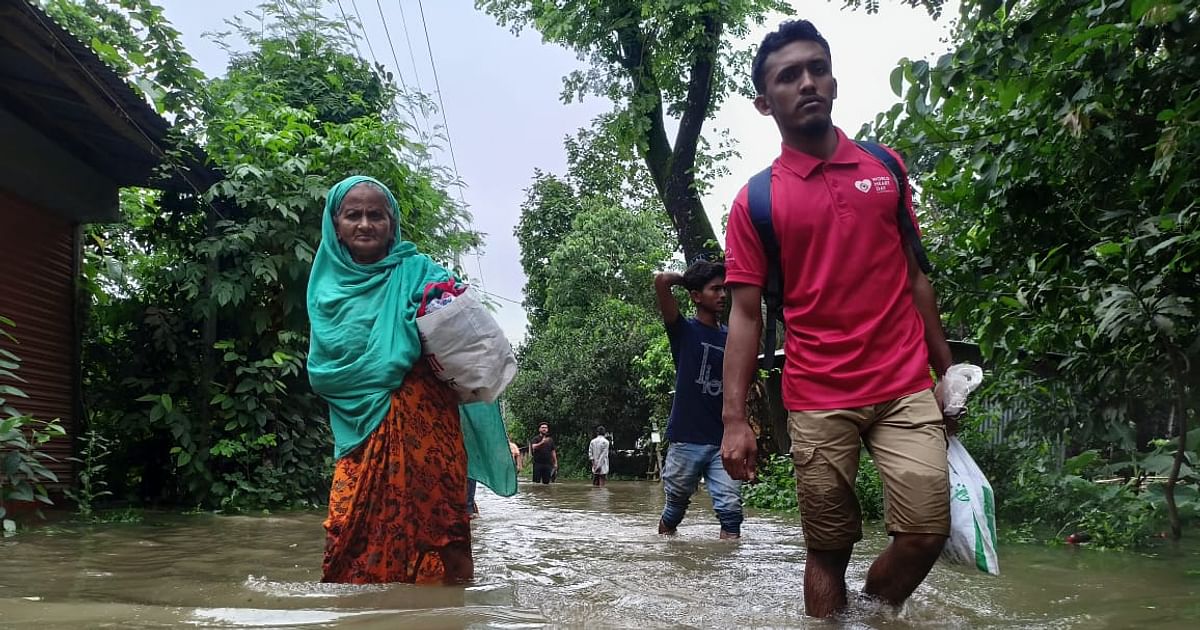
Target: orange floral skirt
{"points": [[399, 501]]}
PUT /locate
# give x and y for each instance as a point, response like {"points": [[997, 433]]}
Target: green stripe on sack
{"points": [[980, 553], [989, 511]]}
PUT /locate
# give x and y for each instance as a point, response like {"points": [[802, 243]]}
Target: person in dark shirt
{"points": [[545, 455], [694, 430]]}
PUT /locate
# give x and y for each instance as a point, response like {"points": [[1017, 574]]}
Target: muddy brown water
{"points": [[564, 555]]}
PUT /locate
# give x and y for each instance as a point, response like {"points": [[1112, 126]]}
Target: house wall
{"points": [[47, 175], [37, 285]]}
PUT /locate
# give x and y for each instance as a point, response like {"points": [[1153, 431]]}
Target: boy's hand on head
{"points": [[670, 278]]}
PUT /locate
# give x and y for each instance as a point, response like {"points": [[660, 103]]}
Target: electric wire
{"points": [[437, 85], [387, 31], [363, 28], [416, 72], [412, 57], [449, 139], [349, 31], [499, 297]]}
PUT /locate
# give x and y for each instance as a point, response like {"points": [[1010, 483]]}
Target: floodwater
{"points": [[564, 555]]}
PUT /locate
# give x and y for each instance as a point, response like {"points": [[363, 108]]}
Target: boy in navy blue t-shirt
{"points": [[695, 429]]}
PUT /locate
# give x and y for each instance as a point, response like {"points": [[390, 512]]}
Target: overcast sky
{"points": [[501, 95]]}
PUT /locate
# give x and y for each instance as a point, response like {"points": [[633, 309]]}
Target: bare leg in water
{"points": [[460, 566], [825, 581], [901, 568], [896, 573]]}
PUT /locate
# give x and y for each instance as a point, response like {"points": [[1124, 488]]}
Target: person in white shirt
{"points": [[598, 456]]}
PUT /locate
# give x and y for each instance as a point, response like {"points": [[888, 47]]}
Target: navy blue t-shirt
{"points": [[699, 353]]}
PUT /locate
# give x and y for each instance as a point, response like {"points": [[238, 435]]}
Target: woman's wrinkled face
{"points": [[364, 224]]}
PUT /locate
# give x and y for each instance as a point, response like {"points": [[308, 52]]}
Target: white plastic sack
{"points": [[972, 514], [467, 349], [952, 389]]}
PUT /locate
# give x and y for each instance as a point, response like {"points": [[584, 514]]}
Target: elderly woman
{"points": [[397, 510]]}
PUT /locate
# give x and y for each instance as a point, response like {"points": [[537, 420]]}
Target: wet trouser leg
{"points": [[471, 485], [681, 474], [726, 493]]}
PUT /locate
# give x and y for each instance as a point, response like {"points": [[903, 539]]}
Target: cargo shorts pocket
{"points": [[828, 508], [812, 478]]}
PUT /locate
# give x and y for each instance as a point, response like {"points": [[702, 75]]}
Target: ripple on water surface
{"points": [[564, 555]]}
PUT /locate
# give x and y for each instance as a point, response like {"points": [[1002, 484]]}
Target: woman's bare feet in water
{"points": [[663, 529], [729, 536], [460, 566]]}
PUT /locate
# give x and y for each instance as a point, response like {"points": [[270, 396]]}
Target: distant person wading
{"points": [[544, 454]]}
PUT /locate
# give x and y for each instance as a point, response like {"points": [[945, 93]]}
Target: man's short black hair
{"points": [[701, 273], [788, 32], [600, 430]]}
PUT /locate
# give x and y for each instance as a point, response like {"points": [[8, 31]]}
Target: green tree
{"points": [[590, 261], [547, 213], [577, 377], [197, 337], [661, 62], [610, 254]]}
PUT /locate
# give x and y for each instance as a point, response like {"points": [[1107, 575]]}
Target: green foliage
{"points": [[609, 254], [576, 375], [1052, 504], [23, 473], [655, 369], [547, 215], [90, 483], [774, 487], [135, 39], [196, 340], [1117, 500], [869, 488], [590, 259], [656, 60]]}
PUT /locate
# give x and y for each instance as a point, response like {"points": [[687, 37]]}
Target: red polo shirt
{"points": [[854, 337]]}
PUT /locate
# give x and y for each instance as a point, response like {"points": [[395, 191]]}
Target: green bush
{"points": [[23, 474], [90, 483], [1038, 501], [775, 487], [869, 487]]}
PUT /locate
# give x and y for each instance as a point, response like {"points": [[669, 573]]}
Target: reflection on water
{"points": [[561, 555]]}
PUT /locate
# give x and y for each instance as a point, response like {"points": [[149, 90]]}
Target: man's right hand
{"points": [[739, 450]]}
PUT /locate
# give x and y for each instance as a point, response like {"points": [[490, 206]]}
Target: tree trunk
{"points": [[1181, 430], [696, 236], [208, 339], [673, 168]]}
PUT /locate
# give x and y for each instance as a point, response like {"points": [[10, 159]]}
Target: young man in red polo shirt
{"points": [[862, 332]]}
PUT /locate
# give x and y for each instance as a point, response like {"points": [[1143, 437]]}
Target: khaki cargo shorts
{"points": [[906, 438]]}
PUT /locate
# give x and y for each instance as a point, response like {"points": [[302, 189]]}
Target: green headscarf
{"points": [[364, 323]]}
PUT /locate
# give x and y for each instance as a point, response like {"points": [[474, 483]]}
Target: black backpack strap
{"points": [[758, 197], [908, 231]]}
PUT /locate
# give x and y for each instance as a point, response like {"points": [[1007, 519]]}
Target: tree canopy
{"points": [[661, 62], [195, 344]]}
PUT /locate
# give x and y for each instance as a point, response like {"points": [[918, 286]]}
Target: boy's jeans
{"points": [[685, 464]]}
